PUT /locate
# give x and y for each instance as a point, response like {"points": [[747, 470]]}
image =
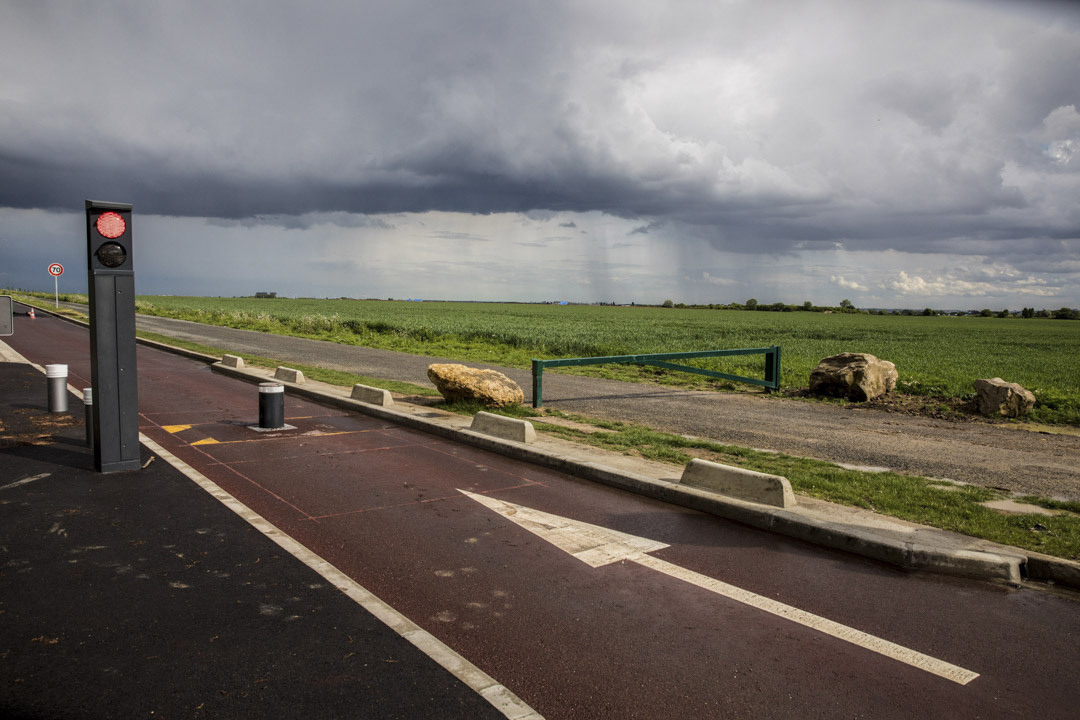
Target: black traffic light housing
{"points": [[111, 281], [108, 230]]}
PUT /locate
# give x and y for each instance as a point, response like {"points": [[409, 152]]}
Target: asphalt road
{"points": [[600, 632], [139, 595], [974, 452]]}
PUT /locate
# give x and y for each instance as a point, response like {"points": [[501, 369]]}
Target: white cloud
{"points": [[720, 281], [950, 285], [846, 284]]}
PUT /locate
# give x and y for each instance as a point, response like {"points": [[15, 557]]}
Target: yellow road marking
{"points": [[212, 441], [173, 429]]}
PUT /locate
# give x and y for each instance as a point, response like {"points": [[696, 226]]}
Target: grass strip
{"points": [[908, 497], [311, 372], [326, 375]]}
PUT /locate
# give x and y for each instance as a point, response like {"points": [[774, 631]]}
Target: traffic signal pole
{"points": [[114, 377]]}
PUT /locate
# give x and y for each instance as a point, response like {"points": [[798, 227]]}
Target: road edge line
{"points": [[500, 697]]}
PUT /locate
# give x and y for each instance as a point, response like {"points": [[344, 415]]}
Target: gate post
{"points": [[772, 367], [538, 383]]}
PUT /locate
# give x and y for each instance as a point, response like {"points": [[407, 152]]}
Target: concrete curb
{"points": [[739, 483], [504, 427], [1010, 565], [289, 375]]}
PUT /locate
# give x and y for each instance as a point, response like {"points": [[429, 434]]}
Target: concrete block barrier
{"points": [[738, 483], [289, 375], [371, 396], [233, 361], [504, 427]]}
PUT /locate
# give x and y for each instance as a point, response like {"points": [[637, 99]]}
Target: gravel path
{"points": [[980, 453]]}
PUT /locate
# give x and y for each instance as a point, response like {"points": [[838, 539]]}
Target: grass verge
{"points": [[326, 375], [311, 372], [912, 498]]}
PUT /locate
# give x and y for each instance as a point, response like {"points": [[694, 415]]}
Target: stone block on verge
{"points": [[371, 396], [458, 383], [504, 427], [997, 397], [739, 483], [289, 375], [856, 376], [233, 361]]}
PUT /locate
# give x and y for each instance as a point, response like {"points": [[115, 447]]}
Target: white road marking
{"points": [[17, 483], [599, 546], [495, 693]]}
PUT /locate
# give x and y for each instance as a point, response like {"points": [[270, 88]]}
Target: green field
{"points": [[938, 356]]}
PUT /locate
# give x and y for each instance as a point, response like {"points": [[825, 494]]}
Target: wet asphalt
{"points": [[140, 595]]}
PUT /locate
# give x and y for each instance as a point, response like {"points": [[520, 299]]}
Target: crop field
{"points": [[936, 356]]}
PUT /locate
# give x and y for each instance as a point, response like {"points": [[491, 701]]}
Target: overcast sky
{"points": [[898, 154]]}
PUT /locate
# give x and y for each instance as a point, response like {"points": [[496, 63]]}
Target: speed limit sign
{"points": [[56, 270]]}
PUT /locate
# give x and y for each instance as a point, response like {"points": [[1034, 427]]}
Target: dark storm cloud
{"points": [[764, 127]]}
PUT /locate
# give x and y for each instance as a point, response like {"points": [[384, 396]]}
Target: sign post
{"points": [[111, 281], [56, 270], [7, 316]]}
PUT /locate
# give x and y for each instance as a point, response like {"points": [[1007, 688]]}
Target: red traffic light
{"points": [[111, 225]]}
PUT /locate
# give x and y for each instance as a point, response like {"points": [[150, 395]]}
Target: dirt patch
{"points": [[41, 430], [703, 454], [563, 422], [1045, 429], [55, 421], [425, 400], [953, 409], [1012, 507]]}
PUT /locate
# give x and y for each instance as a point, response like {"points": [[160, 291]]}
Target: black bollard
{"points": [[271, 405], [58, 394]]}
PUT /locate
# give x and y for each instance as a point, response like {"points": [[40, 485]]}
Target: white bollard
{"points": [[58, 394]]}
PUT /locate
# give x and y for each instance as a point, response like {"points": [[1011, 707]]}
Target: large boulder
{"points": [[458, 382], [997, 397], [856, 376]]}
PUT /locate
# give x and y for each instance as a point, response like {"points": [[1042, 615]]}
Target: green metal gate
{"points": [[771, 380]]}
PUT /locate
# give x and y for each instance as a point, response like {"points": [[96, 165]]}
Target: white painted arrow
{"points": [[599, 546]]}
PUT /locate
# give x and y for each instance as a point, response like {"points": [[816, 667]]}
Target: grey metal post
{"points": [[111, 283], [88, 405], [58, 394], [7, 315], [271, 405]]}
